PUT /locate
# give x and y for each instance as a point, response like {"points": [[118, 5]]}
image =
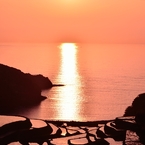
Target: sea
{"points": [[98, 81]]}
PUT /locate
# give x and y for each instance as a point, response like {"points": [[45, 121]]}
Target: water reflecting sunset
{"points": [[69, 100], [100, 81]]}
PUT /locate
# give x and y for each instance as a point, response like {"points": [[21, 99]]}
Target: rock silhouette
{"points": [[137, 107], [18, 88]]}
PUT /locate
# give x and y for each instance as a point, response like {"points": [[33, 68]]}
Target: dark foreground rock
{"points": [[24, 131], [18, 88], [137, 107]]}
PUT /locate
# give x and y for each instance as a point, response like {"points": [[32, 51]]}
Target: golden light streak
{"points": [[68, 67], [69, 101]]}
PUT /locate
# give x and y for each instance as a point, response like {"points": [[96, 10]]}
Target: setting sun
{"points": [[69, 47]]}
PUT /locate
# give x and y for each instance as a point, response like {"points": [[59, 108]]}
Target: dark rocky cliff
{"points": [[18, 88], [137, 107]]}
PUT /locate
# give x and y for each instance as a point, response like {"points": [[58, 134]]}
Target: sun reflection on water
{"points": [[69, 98], [68, 63]]}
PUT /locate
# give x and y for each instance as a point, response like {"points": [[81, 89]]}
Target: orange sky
{"points": [[96, 21]]}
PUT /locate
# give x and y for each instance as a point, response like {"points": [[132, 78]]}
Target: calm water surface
{"points": [[100, 80]]}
